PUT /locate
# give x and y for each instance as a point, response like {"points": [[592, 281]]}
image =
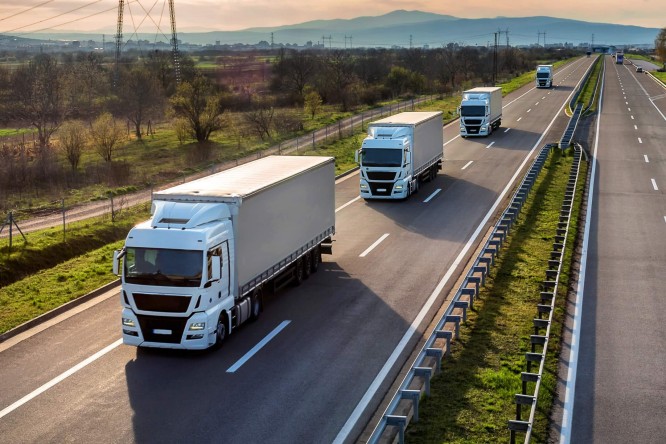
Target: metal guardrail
{"points": [[428, 362], [581, 85], [601, 75], [568, 134], [545, 307]]}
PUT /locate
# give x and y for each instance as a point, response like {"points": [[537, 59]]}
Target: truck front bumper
{"points": [[165, 332], [384, 190]]}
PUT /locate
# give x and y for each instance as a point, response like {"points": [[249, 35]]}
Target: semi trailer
{"points": [[199, 267], [399, 153]]}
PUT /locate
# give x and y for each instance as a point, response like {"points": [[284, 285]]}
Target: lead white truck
{"points": [[480, 111], [544, 76], [198, 268], [399, 153]]}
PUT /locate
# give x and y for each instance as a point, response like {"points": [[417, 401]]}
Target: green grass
{"points": [[660, 75], [639, 57], [473, 397], [588, 91], [9, 132]]}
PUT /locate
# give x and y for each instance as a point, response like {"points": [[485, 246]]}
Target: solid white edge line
{"points": [[435, 193], [372, 247], [347, 204], [258, 347], [570, 391], [467, 164], [374, 386], [59, 378], [654, 184], [490, 144]]}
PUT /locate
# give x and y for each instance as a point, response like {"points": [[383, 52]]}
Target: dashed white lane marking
{"points": [[640, 140], [60, 378], [435, 193], [347, 204], [632, 117], [372, 247], [507, 130], [529, 110], [257, 347], [654, 184], [467, 164], [635, 127], [536, 104], [629, 109], [646, 158], [519, 119], [490, 144]]}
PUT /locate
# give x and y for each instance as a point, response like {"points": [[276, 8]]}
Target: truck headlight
{"points": [[364, 186], [197, 326], [398, 187], [128, 322]]}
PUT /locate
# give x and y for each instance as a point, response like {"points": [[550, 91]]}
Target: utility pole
{"points": [[174, 40], [350, 41], [272, 41], [495, 60], [410, 41], [119, 41]]}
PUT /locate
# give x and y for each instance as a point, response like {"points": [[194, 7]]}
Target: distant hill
{"points": [[423, 28]]}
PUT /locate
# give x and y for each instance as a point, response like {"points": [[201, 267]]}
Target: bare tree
{"points": [[72, 138], [660, 46], [200, 105], [37, 97], [105, 135], [141, 97], [261, 120]]}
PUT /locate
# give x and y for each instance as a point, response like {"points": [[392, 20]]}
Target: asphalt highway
{"points": [[314, 367]]}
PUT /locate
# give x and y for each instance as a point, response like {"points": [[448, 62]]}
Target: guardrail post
{"points": [[426, 374], [463, 305], [414, 396], [444, 334], [455, 319], [437, 354], [400, 422]]}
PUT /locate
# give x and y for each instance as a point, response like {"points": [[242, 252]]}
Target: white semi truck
{"points": [[544, 76], [198, 269], [480, 111], [400, 152]]}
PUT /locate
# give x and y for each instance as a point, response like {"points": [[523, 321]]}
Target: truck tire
{"points": [[298, 272], [307, 264], [433, 172], [316, 259], [221, 331], [256, 304]]}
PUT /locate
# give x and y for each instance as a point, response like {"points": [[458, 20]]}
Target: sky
{"points": [[23, 17]]}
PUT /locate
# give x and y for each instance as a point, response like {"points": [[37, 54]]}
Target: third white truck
{"points": [[544, 76], [198, 269], [480, 111], [399, 153]]}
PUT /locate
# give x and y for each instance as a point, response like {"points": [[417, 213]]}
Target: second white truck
{"points": [[400, 152], [198, 269], [544, 76], [480, 111]]}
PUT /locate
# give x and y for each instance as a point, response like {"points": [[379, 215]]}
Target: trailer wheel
{"points": [[221, 331], [256, 304], [433, 172], [298, 272], [316, 259], [307, 265]]}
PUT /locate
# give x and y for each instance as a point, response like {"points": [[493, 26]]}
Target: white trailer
{"points": [[199, 267], [480, 111], [399, 153]]}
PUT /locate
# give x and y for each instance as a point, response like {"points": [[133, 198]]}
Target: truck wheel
{"points": [[298, 272], [256, 304], [433, 172], [316, 259], [221, 330], [307, 265]]}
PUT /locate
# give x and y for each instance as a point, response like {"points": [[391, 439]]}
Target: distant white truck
{"points": [[480, 111], [198, 269], [544, 76], [399, 153]]}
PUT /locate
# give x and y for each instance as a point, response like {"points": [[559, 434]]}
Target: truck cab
{"points": [[480, 111], [544, 76], [385, 159]]}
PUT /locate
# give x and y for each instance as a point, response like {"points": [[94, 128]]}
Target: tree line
{"points": [[77, 101]]}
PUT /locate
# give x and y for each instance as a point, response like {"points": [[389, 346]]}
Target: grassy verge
{"points": [[50, 294], [588, 92], [473, 397], [660, 75]]}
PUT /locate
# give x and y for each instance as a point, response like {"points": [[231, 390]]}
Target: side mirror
{"points": [[357, 155], [117, 254], [217, 265], [408, 157]]}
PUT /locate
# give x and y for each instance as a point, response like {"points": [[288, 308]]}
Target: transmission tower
{"points": [[174, 41]]}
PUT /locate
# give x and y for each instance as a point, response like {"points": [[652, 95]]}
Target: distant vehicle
{"points": [[399, 152], [619, 58], [639, 69], [480, 111], [544, 76], [197, 270], [589, 53]]}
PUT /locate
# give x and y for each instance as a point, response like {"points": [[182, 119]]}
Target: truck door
{"points": [[223, 287]]}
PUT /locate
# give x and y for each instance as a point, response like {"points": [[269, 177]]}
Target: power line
{"points": [[55, 16], [26, 10]]}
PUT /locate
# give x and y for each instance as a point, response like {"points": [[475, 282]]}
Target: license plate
{"points": [[159, 331], [381, 189]]}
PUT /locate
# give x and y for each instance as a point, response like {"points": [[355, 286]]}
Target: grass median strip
{"points": [[472, 399]]}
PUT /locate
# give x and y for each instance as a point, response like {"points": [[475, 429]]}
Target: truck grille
{"points": [[472, 121], [171, 328], [375, 188], [472, 129], [380, 175], [161, 303]]}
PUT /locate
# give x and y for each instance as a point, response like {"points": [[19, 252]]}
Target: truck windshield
{"points": [[382, 157], [473, 111], [157, 266], [543, 75]]}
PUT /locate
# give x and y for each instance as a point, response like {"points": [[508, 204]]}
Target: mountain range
{"points": [[418, 29]]}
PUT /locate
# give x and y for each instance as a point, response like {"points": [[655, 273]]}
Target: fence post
{"points": [[64, 230], [339, 129], [113, 216], [313, 140]]}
